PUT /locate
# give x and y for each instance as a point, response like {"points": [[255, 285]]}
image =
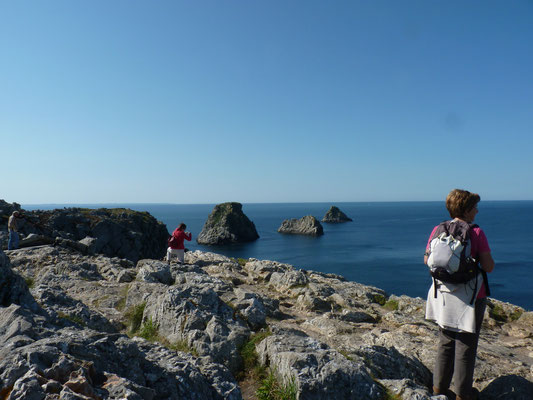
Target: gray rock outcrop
{"points": [[227, 224], [64, 316], [13, 288], [307, 225], [114, 232], [334, 216], [327, 373]]}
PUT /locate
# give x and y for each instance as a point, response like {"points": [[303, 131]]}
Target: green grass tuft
{"points": [[516, 314], [30, 282], [182, 346], [134, 317], [272, 389], [379, 298], [346, 355], [72, 318], [251, 367], [149, 331]]}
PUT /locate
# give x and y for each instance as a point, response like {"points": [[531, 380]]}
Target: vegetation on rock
{"points": [[272, 389]]}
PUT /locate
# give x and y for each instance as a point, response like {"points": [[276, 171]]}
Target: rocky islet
{"points": [[227, 224], [307, 225], [334, 216]]}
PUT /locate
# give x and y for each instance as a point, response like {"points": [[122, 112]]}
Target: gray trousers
{"points": [[456, 356]]}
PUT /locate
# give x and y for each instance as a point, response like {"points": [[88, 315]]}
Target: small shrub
{"points": [[149, 330], [498, 313], [516, 314], [379, 298], [30, 282], [391, 305], [242, 262]]}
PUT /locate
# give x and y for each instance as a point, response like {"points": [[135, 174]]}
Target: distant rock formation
{"points": [[227, 224], [307, 225], [334, 215], [116, 232]]}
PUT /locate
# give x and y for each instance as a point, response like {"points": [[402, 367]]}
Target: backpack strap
{"points": [[486, 280], [475, 292]]}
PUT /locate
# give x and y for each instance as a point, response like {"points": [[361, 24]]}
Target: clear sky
{"points": [[130, 101]]}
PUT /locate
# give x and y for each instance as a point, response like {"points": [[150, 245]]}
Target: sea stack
{"points": [[335, 216], [227, 224], [307, 225]]}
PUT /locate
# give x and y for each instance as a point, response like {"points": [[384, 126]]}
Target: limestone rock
{"points": [[406, 389], [154, 271], [318, 371], [13, 288], [307, 225], [330, 338], [35, 240], [334, 215], [287, 280], [227, 224], [251, 307], [389, 363], [197, 316]]}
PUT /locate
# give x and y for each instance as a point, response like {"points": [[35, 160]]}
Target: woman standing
{"points": [[175, 243], [449, 305]]}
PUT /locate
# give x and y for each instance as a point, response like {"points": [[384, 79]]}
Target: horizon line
{"points": [[274, 202]]}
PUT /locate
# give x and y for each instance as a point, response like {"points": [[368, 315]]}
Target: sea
{"points": [[382, 247]]}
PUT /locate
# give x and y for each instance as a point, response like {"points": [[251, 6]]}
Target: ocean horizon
{"points": [[382, 247]]}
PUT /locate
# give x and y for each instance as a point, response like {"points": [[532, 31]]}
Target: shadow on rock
{"points": [[508, 387]]}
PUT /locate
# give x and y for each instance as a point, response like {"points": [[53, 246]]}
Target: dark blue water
{"points": [[383, 247]]}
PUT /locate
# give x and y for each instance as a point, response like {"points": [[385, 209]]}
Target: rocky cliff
{"points": [[94, 327], [335, 215], [307, 225], [227, 224], [113, 232]]}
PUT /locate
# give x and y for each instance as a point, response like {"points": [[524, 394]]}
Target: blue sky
{"points": [[265, 101]]}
